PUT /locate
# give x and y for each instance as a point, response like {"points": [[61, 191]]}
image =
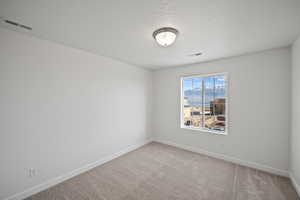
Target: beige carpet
{"points": [[161, 172]]}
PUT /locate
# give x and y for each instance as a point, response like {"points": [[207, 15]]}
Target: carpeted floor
{"points": [[160, 172]]}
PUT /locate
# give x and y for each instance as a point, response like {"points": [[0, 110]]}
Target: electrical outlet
{"points": [[31, 173]]}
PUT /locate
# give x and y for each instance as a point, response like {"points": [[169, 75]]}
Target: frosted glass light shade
{"points": [[165, 36]]}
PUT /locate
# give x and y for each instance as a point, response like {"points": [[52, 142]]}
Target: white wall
{"points": [[295, 136], [259, 108], [62, 108]]}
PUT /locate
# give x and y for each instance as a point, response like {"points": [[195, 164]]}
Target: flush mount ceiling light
{"points": [[165, 36]]}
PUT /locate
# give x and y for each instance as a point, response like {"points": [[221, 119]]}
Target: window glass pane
{"points": [[192, 100], [197, 92], [215, 103], [209, 83], [187, 99], [208, 95], [220, 87], [196, 104], [216, 119]]}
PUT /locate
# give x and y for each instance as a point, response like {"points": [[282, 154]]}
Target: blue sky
{"points": [[195, 96], [188, 83]]}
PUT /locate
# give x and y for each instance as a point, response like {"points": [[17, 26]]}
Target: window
{"points": [[204, 103]]}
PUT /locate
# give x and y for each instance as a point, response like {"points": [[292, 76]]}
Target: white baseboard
{"points": [[295, 184], [57, 180], [238, 161]]}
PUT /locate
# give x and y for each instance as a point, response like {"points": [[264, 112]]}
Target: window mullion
{"points": [[203, 93], [214, 95], [192, 108]]}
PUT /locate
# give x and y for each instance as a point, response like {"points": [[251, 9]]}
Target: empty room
{"points": [[149, 100]]}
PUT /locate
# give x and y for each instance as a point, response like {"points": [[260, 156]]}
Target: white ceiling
{"points": [[123, 29]]}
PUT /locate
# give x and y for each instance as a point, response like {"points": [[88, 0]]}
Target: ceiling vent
{"points": [[17, 24], [196, 54]]}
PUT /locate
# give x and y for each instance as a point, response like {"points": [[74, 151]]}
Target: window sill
{"points": [[205, 130]]}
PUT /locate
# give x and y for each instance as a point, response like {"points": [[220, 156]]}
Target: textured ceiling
{"points": [[123, 29]]}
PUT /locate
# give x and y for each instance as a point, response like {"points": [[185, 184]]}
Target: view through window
{"points": [[204, 103]]}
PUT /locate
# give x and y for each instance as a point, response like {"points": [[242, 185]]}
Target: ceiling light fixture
{"points": [[165, 36]]}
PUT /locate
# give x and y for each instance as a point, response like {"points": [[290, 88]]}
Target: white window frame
{"points": [[203, 129]]}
